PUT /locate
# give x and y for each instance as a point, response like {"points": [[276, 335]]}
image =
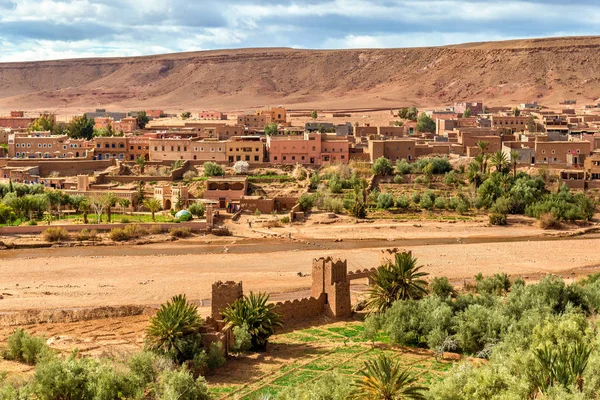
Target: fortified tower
{"points": [[329, 276], [224, 294]]}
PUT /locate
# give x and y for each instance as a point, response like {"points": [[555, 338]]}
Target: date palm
{"points": [[384, 379], [514, 159], [401, 280], [254, 312], [153, 205], [499, 161], [175, 330]]}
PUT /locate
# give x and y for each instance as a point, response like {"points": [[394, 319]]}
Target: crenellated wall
{"points": [[224, 294], [301, 309]]}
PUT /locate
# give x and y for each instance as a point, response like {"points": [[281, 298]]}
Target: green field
{"points": [[302, 356]]}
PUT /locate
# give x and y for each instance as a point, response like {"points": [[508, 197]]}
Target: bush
{"points": [[184, 217], [549, 221], [497, 219], [197, 210], [216, 355], [55, 235], [24, 347], [180, 384], [398, 179], [86, 234], [190, 175], [441, 287], [306, 201], [498, 284], [385, 201], [125, 220], [285, 220], [479, 326], [402, 202], [118, 235], [440, 203], [129, 232], [181, 232], [211, 168], [243, 339], [403, 167], [333, 204], [143, 367], [427, 201], [382, 166]]}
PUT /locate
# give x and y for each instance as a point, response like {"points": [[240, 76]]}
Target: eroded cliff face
{"points": [[546, 70]]}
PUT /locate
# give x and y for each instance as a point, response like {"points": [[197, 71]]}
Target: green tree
{"points": [[175, 330], [85, 207], [516, 112], [43, 123], [425, 123], [197, 210], [314, 114], [109, 200], [153, 205], [254, 312], [382, 166], [400, 280], [384, 379], [499, 161], [186, 115], [467, 113], [514, 159], [141, 162], [271, 129], [124, 203], [81, 128], [211, 168], [142, 119]]}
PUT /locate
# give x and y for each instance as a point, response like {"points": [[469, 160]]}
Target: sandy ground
{"points": [[268, 260]]}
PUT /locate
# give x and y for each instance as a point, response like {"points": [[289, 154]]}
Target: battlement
{"points": [[360, 273]]}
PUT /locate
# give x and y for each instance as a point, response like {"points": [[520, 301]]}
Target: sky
{"points": [[55, 29]]}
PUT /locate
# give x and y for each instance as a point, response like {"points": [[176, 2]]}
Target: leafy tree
{"points": [[499, 161], [314, 114], [197, 210], [382, 166], [142, 119], [81, 128], [441, 287], [467, 113], [85, 207], [384, 379], [385, 201], [271, 129], [516, 112], [110, 200], [186, 115], [153, 205], [124, 203], [241, 167], [211, 168], [180, 384], [260, 318], [400, 280], [175, 330], [43, 123], [408, 113], [425, 123], [306, 201]]}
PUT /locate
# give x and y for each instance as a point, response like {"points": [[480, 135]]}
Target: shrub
{"points": [[497, 219], [333, 204], [155, 230], [306, 201], [143, 367], [216, 355], [243, 339], [441, 287], [498, 284], [385, 201], [402, 202], [416, 197], [181, 232], [56, 378], [398, 179], [478, 326], [427, 201], [125, 220], [135, 231], [180, 384], [211, 168], [285, 220], [175, 330], [32, 222], [197, 210], [55, 235], [403, 167], [24, 347], [440, 203], [83, 234], [451, 178], [549, 221], [190, 175], [382, 166], [118, 235]]}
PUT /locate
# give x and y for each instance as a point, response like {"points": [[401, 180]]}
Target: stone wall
{"points": [[62, 166]]}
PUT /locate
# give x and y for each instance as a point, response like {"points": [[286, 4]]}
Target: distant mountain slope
{"points": [[498, 72]]}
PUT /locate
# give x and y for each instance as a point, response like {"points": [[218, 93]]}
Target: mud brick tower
{"points": [[329, 276]]}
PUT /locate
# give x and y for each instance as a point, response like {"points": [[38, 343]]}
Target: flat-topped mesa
{"points": [[224, 294], [387, 256]]}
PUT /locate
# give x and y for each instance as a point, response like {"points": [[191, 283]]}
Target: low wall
{"points": [[29, 317], [301, 309], [33, 229], [360, 274], [63, 166]]}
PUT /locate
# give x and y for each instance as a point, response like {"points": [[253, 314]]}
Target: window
{"points": [[219, 149], [44, 145], [544, 152], [50, 145], [39, 145], [302, 158], [155, 148], [293, 157], [553, 151], [212, 149], [201, 148], [275, 158], [113, 145], [284, 157], [195, 149], [172, 148], [28, 145], [255, 158]]}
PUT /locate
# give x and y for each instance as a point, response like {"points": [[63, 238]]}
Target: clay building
{"points": [[176, 148], [569, 153], [94, 191], [46, 145], [250, 149], [110, 147], [226, 190], [510, 122], [16, 120], [138, 147], [476, 107], [393, 149], [172, 196], [218, 115], [308, 149], [125, 125]]}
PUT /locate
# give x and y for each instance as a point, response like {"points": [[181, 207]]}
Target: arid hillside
{"points": [[547, 70]]}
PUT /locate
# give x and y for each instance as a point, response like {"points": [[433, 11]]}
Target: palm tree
{"points": [[384, 379], [175, 330], [153, 205], [483, 144], [85, 207], [110, 200], [562, 365], [254, 312], [124, 203], [401, 280], [141, 162], [499, 160], [514, 158]]}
